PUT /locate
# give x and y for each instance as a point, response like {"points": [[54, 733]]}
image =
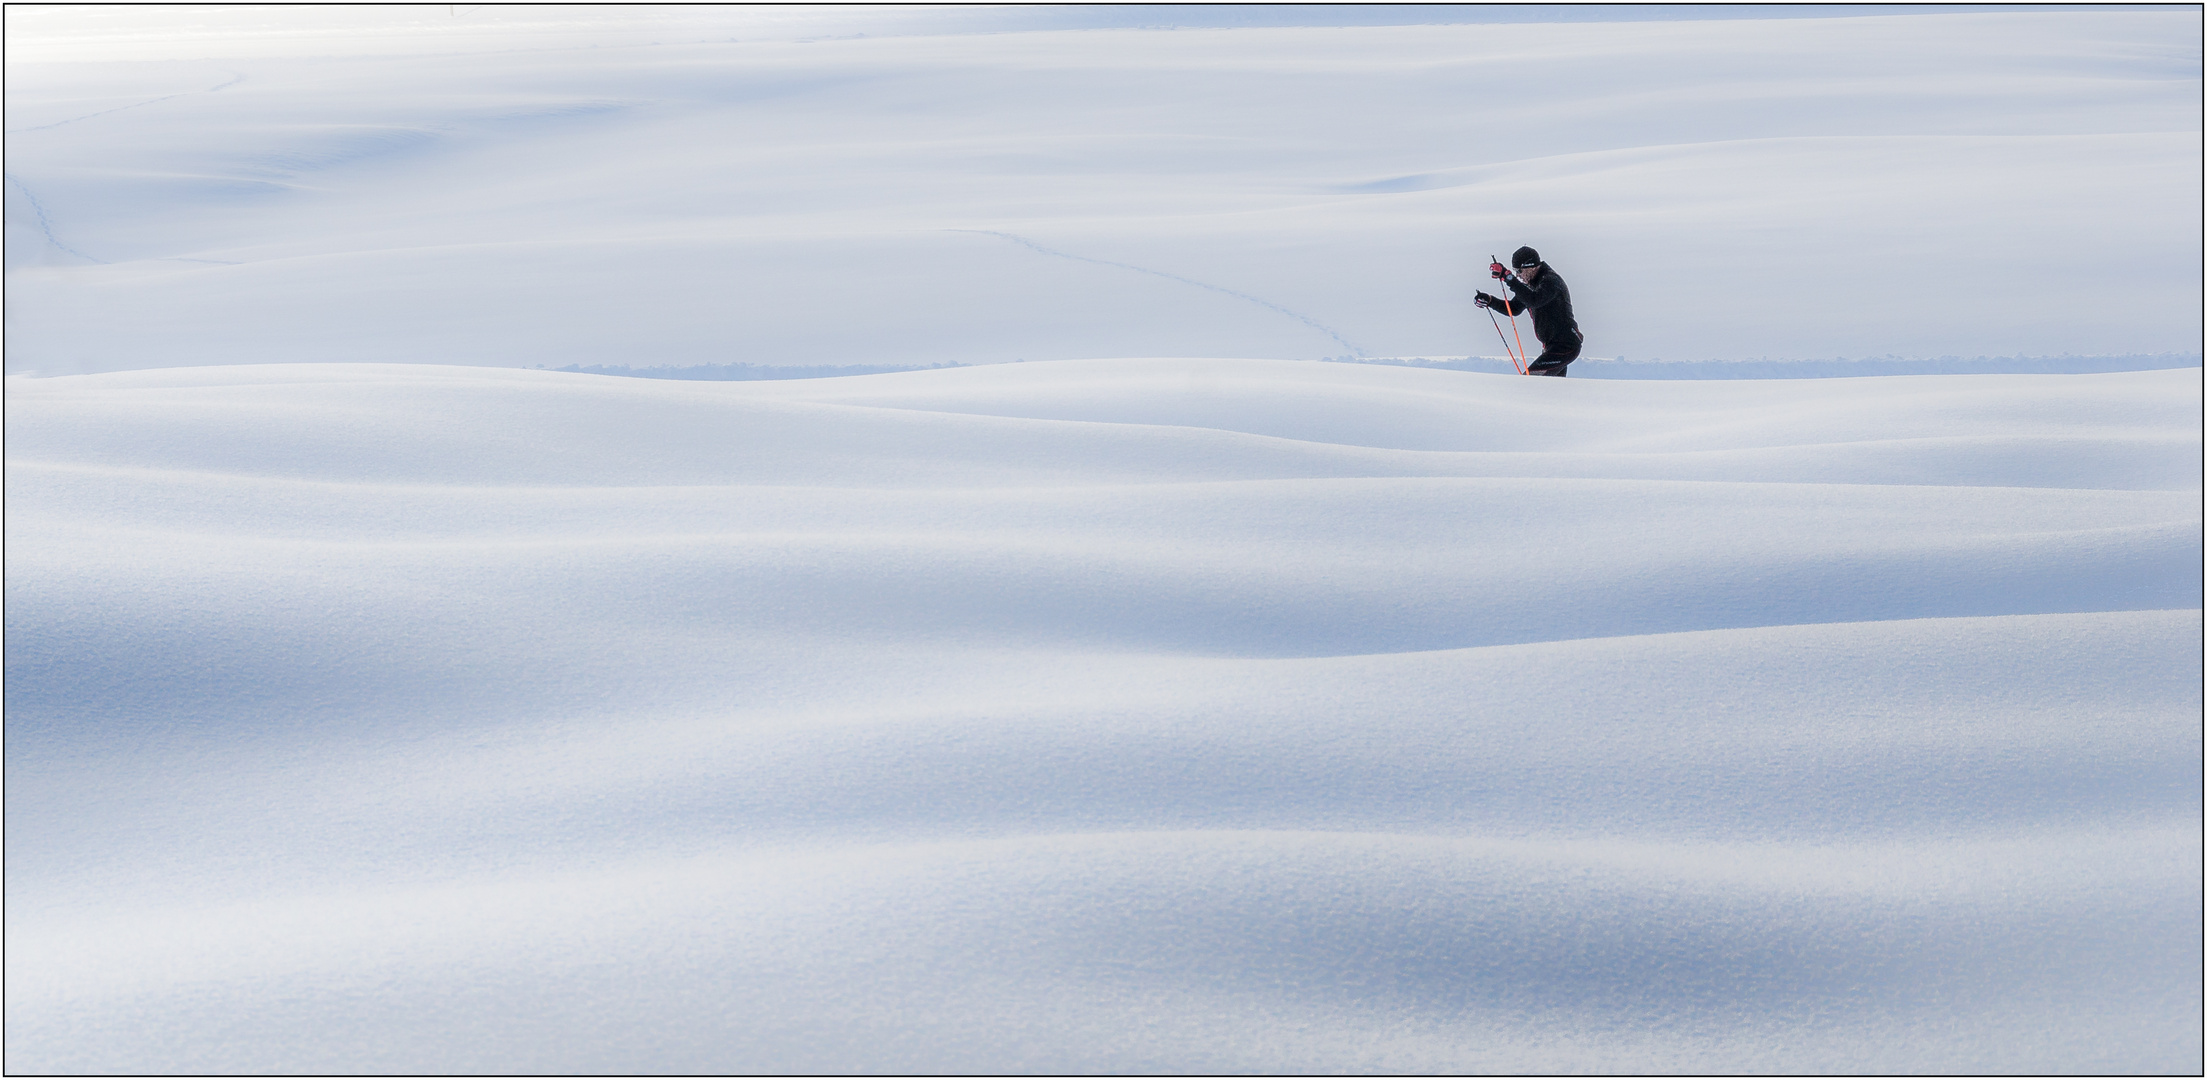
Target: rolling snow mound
{"points": [[1184, 715]]}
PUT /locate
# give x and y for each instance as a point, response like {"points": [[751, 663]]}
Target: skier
{"points": [[1538, 289]]}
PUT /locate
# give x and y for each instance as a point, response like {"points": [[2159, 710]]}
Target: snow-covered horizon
{"points": [[1594, 367], [655, 186]]}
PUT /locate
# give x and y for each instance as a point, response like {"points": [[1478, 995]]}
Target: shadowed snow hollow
{"points": [[1185, 715]]}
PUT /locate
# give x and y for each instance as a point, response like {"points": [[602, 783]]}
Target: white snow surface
{"points": [[1194, 715], [654, 186]]}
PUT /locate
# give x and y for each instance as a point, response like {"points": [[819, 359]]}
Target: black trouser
{"points": [[1553, 359]]}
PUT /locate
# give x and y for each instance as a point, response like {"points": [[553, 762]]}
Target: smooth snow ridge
{"points": [[1114, 715]]}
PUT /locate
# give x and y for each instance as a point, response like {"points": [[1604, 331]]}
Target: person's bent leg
{"points": [[1553, 361]]}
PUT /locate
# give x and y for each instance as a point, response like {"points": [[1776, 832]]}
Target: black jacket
{"points": [[1549, 301]]}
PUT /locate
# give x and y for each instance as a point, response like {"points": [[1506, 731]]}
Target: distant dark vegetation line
{"points": [[1839, 367], [1589, 367]]}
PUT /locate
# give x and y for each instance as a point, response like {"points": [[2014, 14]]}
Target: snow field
{"points": [[1186, 715], [1120, 715], [698, 187]]}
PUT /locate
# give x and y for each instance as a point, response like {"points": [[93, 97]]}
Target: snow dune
{"points": [[1121, 715]]}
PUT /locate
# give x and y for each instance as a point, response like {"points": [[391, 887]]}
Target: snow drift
{"points": [[1192, 715]]}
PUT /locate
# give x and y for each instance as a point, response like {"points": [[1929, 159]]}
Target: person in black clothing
{"points": [[1538, 289]]}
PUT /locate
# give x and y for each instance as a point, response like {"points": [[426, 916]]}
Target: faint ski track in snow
{"points": [[1259, 301], [45, 223], [235, 78]]}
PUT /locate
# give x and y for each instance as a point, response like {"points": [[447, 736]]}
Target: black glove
{"points": [[1483, 300], [1498, 270]]}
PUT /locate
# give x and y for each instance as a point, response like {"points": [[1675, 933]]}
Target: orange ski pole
{"points": [[1505, 341], [1513, 320]]}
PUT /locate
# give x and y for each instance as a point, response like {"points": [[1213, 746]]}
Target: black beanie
{"points": [[1524, 257]]}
